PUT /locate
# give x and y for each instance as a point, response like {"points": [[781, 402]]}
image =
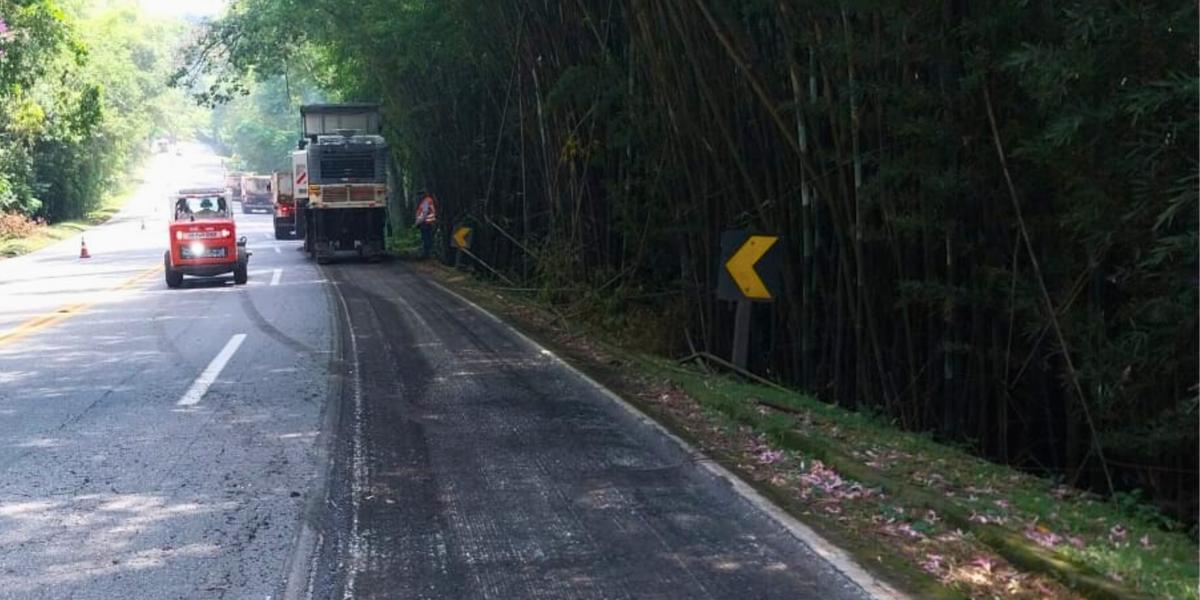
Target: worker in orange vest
{"points": [[426, 219]]}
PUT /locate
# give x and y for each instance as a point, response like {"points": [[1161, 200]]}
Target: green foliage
{"points": [[260, 129], [82, 91]]}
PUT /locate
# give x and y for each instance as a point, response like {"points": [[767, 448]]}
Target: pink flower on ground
{"points": [[932, 563], [1003, 504], [985, 519], [767, 457], [1117, 534], [1146, 543], [823, 478], [984, 562], [1044, 538], [908, 530]]}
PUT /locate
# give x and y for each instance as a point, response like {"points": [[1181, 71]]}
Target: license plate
{"points": [[208, 253], [201, 235]]}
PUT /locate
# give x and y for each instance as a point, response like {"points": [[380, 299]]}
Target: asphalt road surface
{"points": [[344, 431]]}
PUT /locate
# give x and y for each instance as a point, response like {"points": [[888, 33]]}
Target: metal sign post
{"points": [[741, 333], [748, 272]]}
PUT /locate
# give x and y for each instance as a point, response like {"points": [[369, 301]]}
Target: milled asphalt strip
{"points": [[358, 465], [210, 374], [841, 561]]}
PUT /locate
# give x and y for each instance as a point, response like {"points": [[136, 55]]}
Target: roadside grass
{"points": [[44, 235], [931, 518], [1125, 542], [404, 242]]}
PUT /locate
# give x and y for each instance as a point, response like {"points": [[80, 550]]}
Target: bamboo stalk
{"points": [[1052, 313]]}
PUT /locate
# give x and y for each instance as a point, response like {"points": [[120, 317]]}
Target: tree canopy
{"points": [[83, 87]]}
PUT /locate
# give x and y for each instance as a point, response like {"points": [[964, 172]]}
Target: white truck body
{"points": [[300, 174]]}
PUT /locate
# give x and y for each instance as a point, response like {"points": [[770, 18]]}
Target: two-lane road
{"points": [[118, 479], [346, 431]]}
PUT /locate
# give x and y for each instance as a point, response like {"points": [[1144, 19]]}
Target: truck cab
{"points": [[202, 238]]}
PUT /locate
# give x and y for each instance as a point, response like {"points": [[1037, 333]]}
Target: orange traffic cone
{"points": [[83, 253]]}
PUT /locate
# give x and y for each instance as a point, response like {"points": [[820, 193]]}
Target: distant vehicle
{"points": [[202, 238], [285, 205], [343, 159], [256, 193], [233, 183], [162, 145]]}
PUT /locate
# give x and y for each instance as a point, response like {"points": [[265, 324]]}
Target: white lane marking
{"points": [[277, 250], [214, 368], [835, 556], [275, 275]]}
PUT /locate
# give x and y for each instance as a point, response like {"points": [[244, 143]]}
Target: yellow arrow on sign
{"points": [[460, 237], [741, 266]]}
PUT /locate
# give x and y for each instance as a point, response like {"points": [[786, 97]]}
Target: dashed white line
{"points": [[275, 275], [211, 372]]}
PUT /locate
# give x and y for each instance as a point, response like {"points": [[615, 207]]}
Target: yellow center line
{"points": [[67, 311]]}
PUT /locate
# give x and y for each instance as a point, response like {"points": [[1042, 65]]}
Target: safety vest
{"points": [[426, 211]]}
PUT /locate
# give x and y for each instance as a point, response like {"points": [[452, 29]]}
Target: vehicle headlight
{"points": [[197, 248], [179, 235]]}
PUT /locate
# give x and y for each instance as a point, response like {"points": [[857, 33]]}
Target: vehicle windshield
{"points": [[198, 208], [256, 186]]}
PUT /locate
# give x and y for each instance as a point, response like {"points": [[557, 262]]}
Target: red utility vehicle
{"points": [[202, 238]]}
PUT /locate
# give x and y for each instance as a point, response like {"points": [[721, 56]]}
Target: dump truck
{"points": [[343, 160], [256, 193], [284, 219]]}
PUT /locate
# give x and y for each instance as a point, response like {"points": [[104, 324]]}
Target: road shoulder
{"points": [[809, 459], [598, 370]]}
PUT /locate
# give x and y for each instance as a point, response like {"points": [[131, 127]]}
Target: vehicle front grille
{"points": [[362, 194], [347, 166], [335, 194], [332, 194]]}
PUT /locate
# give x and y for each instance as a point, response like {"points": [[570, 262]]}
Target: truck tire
{"points": [[281, 233], [241, 273], [174, 278]]}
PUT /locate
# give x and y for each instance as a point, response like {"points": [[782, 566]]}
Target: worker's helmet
{"points": [[206, 204]]}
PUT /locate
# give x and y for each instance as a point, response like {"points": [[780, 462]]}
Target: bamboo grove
{"points": [[989, 208]]}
